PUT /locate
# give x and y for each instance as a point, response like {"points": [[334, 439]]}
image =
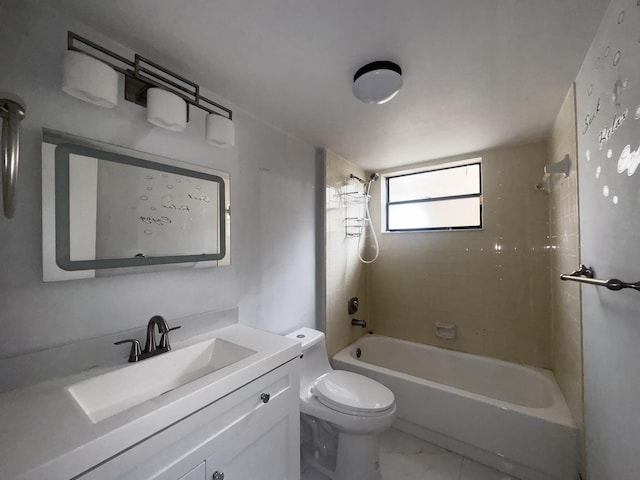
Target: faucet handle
{"points": [[134, 354], [164, 338]]}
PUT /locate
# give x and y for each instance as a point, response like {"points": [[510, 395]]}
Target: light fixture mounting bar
{"points": [[141, 74]]}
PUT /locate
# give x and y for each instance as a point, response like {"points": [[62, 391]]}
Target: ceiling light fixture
{"points": [[90, 74], [377, 82]]}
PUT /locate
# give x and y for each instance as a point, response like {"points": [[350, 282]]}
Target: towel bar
{"points": [[585, 274]]}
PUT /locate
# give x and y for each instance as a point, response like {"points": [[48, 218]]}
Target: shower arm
{"points": [[12, 113], [372, 178], [357, 178]]}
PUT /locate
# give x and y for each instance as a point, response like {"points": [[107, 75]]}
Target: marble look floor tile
{"points": [[311, 474], [395, 441], [475, 471], [405, 457], [420, 466]]}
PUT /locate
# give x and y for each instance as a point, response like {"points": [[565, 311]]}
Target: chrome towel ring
{"points": [[12, 112]]}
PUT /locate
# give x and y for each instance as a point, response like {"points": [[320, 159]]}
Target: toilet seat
{"points": [[353, 394]]}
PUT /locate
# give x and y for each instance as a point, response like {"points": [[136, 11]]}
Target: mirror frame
{"points": [[65, 145]]}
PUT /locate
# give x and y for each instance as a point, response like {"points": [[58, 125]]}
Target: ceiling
{"points": [[478, 73]]}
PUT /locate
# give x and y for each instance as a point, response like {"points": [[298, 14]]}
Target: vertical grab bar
{"points": [[12, 114]]}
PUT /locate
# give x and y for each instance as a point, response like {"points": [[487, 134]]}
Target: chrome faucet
{"points": [[358, 323], [151, 347]]}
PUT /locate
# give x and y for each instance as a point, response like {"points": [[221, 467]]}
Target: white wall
{"points": [[272, 275], [610, 234]]}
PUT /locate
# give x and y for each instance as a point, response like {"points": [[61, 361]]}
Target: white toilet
{"points": [[342, 414]]}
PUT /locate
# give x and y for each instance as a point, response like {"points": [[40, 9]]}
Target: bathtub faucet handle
{"points": [[358, 323]]}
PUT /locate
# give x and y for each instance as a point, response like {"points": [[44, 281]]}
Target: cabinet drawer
{"points": [[174, 451]]}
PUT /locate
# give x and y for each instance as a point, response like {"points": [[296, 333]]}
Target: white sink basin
{"points": [[106, 395]]}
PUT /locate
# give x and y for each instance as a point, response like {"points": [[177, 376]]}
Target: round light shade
{"points": [[89, 79], [221, 131], [377, 82], [166, 110]]}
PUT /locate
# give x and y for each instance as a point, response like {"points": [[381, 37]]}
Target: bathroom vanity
{"points": [[238, 420]]}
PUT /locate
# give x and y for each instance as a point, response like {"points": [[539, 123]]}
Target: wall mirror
{"points": [[111, 210]]}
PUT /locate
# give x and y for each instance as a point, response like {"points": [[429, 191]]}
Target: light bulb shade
{"points": [[166, 110], [221, 131], [377, 82], [89, 79]]}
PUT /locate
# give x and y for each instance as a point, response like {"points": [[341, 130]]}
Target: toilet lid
{"points": [[349, 392]]}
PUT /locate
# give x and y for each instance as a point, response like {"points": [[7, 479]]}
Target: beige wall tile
{"points": [[346, 275], [493, 284]]}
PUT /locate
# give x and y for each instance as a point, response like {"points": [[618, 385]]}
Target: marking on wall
{"points": [[616, 59], [618, 88], [616, 123], [629, 160], [591, 117]]}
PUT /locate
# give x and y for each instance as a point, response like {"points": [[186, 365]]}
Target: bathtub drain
{"points": [[358, 352]]}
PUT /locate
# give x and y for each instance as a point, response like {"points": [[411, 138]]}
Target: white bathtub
{"points": [[508, 416]]}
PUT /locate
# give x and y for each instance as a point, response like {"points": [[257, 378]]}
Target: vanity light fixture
{"points": [[377, 82], [220, 131], [89, 79], [90, 75], [166, 110]]}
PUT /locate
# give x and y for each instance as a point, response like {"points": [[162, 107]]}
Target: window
{"points": [[444, 198]]}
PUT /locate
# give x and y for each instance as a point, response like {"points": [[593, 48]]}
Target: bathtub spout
{"points": [[358, 323]]}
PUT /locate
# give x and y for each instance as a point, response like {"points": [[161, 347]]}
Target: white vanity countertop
{"points": [[45, 434]]}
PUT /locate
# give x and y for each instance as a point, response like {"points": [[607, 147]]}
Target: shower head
{"points": [[374, 177]]}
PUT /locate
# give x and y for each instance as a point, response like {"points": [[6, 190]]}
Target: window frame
{"points": [[447, 166]]}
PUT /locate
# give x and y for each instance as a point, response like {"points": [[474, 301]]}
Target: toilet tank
{"points": [[314, 360]]}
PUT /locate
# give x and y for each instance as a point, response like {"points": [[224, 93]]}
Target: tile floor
{"points": [[405, 457]]}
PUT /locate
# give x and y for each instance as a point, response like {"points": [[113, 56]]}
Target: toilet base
{"points": [[340, 455], [357, 457]]}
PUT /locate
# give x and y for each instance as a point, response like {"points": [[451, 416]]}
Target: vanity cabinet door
{"points": [[198, 473], [269, 450]]}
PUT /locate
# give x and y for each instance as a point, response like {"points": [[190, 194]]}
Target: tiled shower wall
{"points": [[346, 275], [566, 314], [492, 284]]}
